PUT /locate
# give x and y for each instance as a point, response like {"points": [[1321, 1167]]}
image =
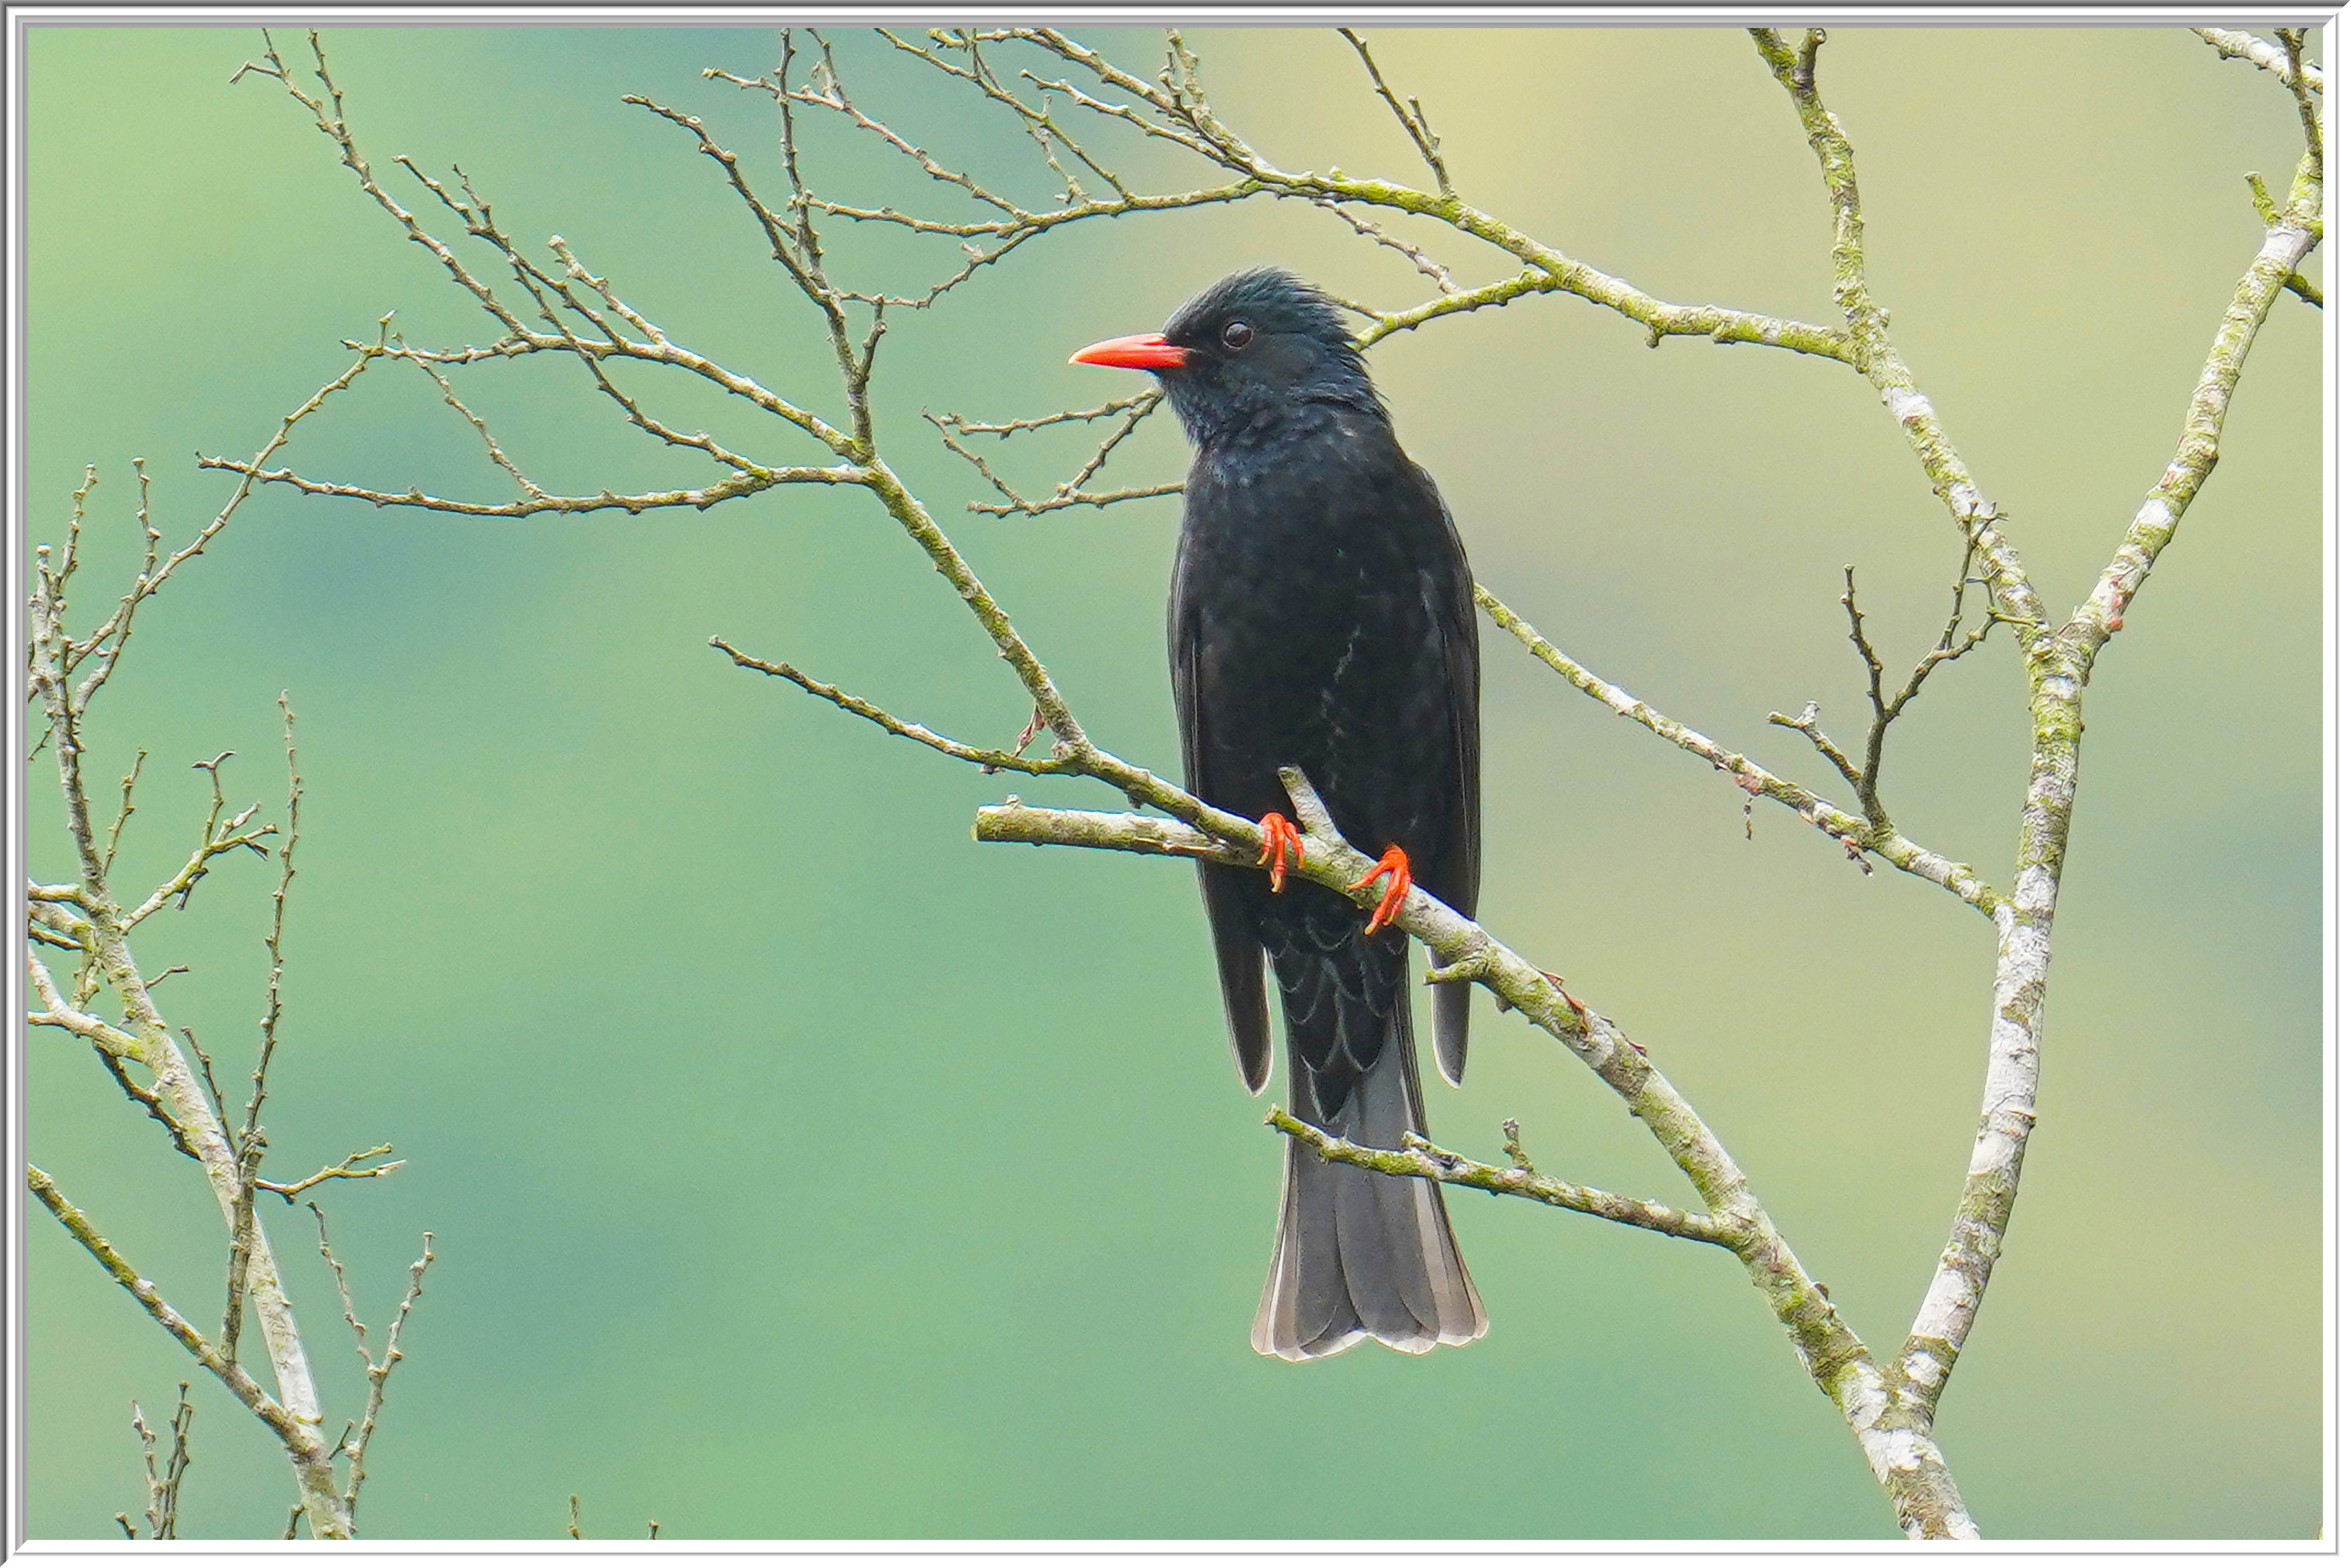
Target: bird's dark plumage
{"points": [[1321, 617]]}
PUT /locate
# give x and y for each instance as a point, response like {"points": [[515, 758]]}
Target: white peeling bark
{"points": [[2021, 969]]}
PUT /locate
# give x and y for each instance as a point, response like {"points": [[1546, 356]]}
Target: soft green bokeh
{"points": [[798, 1167]]}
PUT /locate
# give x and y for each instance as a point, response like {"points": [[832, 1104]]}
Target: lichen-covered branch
{"points": [[2236, 45], [2058, 661], [1872, 352], [1419, 1158], [152, 1045], [142, 1054], [1832, 1354], [1852, 834], [1989, 1195], [56, 1012], [1890, 1408], [296, 1434], [2291, 236], [1175, 109], [219, 839]]}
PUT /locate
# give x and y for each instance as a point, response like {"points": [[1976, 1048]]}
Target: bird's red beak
{"points": [[1143, 351]]}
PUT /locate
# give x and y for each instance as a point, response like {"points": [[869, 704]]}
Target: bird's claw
{"points": [[1397, 869], [1283, 846]]}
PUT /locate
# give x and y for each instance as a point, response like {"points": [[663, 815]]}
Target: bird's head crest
{"points": [[1260, 345], [1269, 300]]}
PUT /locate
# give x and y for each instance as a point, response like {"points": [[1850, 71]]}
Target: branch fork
{"points": [[1889, 1407]]}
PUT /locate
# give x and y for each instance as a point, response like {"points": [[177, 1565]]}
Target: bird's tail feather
{"points": [[1359, 1252]]}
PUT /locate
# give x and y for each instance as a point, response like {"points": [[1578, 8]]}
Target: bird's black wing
{"points": [[1240, 960], [1451, 865]]}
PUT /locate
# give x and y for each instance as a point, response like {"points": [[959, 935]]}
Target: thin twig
{"points": [[349, 1169], [1949, 647], [1853, 834], [1419, 1158], [147, 1099], [342, 1285], [273, 942], [1070, 492], [250, 1147], [1806, 722], [1415, 122], [204, 1063], [1423, 263], [146, 1436], [379, 1373], [987, 757], [217, 839], [114, 833], [2305, 98], [449, 395], [962, 426], [164, 1486]]}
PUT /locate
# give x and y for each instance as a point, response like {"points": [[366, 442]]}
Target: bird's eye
{"points": [[1237, 334]]}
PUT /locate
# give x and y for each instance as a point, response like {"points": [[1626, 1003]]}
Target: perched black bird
{"points": [[1321, 617]]}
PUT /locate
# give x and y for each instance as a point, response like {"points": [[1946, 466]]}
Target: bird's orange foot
{"points": [[1397, 869], [1283, 847]]}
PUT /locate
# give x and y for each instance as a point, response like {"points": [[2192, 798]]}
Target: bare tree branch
{"points": [[379, 1373], [122, 818], [217, 839], [2236, 45], [1832, 1354], [163, 1482], [1852, 834], [349, 1168], [2304, 97], [2058, 661], [1890, 1408], [1955, 1295], [1419, 1158], [1883, 710], [289, 1428], [1070, 492], [987, 757], [1415, 122], [141, 1054], [273, 942]]}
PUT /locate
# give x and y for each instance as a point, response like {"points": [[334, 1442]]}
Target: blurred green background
{"points": [[799, 1167]]}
